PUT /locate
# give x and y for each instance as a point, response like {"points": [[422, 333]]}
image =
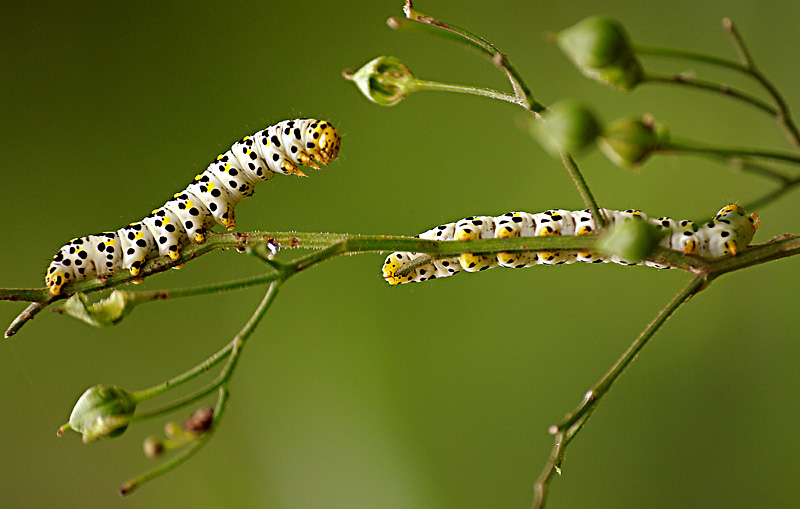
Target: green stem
{"points": [[567, 429], [710, 86], [232, 350], [782, 114], [463, 89], [435, 27], [583, 189], [657, 51], [191, 450], [773, 195], [692, 147]]}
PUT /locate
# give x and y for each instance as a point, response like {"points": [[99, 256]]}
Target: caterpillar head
{"points": [[326, 141], [394, 262], [56, 277]]}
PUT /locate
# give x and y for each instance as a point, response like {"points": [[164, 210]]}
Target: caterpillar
{"points": [[729, 232], [208, 200]]}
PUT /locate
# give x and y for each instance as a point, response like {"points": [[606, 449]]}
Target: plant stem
{"points": [[435, 27], [583, 189], [710, 86], [463, 89], [693, 147], [188, 452], [231, 351], [568, 428], [748, 67]]}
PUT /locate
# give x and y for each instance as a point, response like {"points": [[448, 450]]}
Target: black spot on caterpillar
{"points": [[208, 200], [730, 231]]}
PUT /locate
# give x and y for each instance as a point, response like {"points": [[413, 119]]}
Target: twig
{"points": [[568, 428]]}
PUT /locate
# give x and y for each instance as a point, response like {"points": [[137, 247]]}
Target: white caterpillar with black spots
{"points": [[208, 200], [729, 232]]}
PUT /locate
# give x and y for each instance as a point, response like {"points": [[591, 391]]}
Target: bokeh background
{"points": [[353, 393]]}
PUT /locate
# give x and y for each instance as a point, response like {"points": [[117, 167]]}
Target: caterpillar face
{"points": [[729, 232], [210, 199]]}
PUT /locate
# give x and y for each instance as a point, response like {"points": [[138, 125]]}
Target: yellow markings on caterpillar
{"points": [[199, 237], [111, 242], [139, 235]]}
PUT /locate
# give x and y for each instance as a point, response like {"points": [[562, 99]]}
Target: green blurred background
{"points": [[353, 393]]}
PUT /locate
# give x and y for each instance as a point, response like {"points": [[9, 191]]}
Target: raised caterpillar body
{"points": [[208, 200], [729, 232]]}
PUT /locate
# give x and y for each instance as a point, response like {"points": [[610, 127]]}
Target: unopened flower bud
{"points": [[568, 126], [385, 80], [629, 141], [602, 51], [103, 411], [630, 241], [152, 447]]}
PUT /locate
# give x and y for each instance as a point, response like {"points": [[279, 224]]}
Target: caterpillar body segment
{"points": [[209, 200], [728, 233]]}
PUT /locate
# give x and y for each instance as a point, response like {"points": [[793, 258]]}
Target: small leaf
{"points": [[104, 313]]}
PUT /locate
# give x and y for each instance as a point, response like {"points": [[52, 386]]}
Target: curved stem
{"points": [[435, 27], [568, 428], [191, 450], [693, 147], [748, 68], [231, 351], [710, 86]]}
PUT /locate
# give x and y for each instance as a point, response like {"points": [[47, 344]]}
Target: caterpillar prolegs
{"points": [[729, 232], [208, 200]]}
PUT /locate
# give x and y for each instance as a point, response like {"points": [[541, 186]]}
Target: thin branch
{"points": [[693, 147], [583, 189], [748, 67], [710, 86], [191, 450], [438, 28], [568, 428], [232, 351]]}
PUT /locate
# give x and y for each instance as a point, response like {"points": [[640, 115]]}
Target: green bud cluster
{"points": [[602, 51]]}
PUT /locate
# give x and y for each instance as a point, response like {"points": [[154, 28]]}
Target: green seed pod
{"points": [[103, 411], [602, 51], [628, 142], [568, 126], [632, 241], [385, 80]]}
